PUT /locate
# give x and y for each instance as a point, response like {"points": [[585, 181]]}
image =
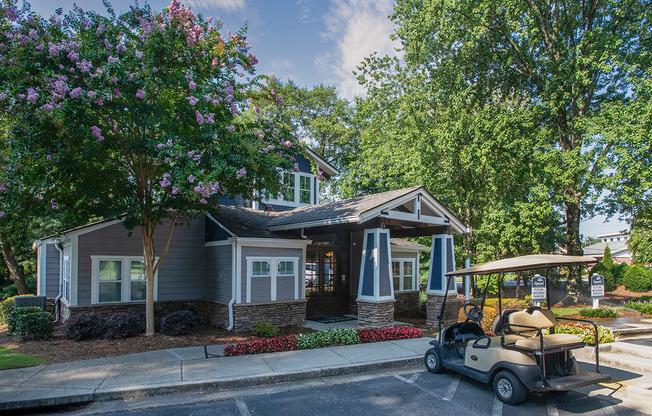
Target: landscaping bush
{"points": [[30, 322], [508, 303], [261, 346], [601, 312], [124, 325], [264, 329], [86, 326], [619, 271], [586, 332], [178, 323], [331, 336], [643, 306], [6, 307], [388, 334], [637, 279]]}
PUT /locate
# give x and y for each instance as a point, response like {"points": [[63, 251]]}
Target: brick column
{"points": [[375, 315], [433, 307]]}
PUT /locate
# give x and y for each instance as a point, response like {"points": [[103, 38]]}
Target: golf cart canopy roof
{"points": [[531, 262]]}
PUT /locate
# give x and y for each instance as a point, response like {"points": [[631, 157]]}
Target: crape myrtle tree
{"points": [[150, 111], [567, 58]]}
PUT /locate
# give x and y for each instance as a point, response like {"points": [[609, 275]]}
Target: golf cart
{"points": [[525, 354]]}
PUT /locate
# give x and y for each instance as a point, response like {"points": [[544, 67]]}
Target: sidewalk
{"points": [[186, 369]]}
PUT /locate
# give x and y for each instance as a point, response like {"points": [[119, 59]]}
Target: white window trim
{"points": [[401, 276], [125, 287], [66, 278], [297, 192], [273, 269]]}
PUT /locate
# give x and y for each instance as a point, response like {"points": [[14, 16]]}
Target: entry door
{"points": [[323, 285]]}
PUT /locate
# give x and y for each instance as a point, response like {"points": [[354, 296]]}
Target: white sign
{"points": [[539, 289], [597, 286]]}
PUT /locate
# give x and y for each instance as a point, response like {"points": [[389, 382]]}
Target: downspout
{"points": [[233, 287], [57, 300]]}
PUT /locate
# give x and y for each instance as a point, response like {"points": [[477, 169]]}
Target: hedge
{"points": [[637, 279]]}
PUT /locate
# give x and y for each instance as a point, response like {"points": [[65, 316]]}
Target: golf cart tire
{"points": [[508, 388], [433, 361]]}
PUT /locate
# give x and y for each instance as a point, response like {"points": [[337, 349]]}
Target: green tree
{"points": [[566, 59], [607, 260], [151, 109]]}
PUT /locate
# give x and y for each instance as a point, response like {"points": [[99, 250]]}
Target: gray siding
{"points": [[284, 288], [269, 252], [51, 270], [261, 289], [219, 272], [181, 275]]}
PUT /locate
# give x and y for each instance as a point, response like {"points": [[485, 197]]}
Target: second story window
{"points": [[304, 189], [290, 187]]}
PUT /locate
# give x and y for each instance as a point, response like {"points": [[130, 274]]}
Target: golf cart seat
{"points": [[522, 330]]}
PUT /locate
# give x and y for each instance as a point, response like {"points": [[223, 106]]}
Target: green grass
{"points": [[13, 359], [567, 311]]}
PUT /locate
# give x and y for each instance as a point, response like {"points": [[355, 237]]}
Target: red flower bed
{"points": [[289, 342], [261, 346], [388, 334]]}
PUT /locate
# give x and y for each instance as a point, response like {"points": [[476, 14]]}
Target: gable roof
{"points": [[363, 208], [321, 164], [247, 222]]}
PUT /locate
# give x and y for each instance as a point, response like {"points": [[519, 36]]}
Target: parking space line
{"points": [[413, 378], [551, 404], [608, 408], [453, 387], [423, 389], [242, 407], [497, 409]]}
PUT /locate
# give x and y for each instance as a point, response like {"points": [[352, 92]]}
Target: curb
{"points": [[198, 386]]}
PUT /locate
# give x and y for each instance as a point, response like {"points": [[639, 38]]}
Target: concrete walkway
{"points": [[187, 369]]}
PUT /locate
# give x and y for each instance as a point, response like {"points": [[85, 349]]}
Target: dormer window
{"points": [[305, 189], [289, 182]]}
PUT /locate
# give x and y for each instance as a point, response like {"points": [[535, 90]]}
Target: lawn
{"points": [[13, 359]]}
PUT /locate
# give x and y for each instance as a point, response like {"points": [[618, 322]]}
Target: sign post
{"points": [[539, 289], [597, 289]]}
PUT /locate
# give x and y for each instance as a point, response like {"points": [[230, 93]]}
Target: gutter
{"points": [[57, 300], [233, 286]]}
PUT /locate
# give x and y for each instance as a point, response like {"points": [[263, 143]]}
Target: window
{"points": [[403, 274], [289, 187], [65, 279], [119, 279], [271, 279], [305, 189]]}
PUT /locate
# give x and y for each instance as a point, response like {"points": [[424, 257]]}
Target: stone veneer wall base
{"points": [[375, 315], [433, 306], [406, 302]]}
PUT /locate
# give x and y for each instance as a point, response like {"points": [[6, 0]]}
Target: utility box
{"points": [[24, 301]]}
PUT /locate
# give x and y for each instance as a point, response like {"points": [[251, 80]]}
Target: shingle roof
{"points": [[399, 242], [597, 249], [247, 222], [352, 207]]}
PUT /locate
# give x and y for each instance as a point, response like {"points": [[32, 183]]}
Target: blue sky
{"points": [[308, 41]]}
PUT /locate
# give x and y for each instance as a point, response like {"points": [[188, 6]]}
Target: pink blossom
{"points": [[207, 97], [296, 167], [73, 56], [107, 44], [2, 214], [230, 128], [53, 49], [40, 47], [91, 94], [286, 143], [160, 146], [214, 63], [203, 201], [200, 118], [100, 28], [99, 101], [11, 13], [169, 143], [166, 180], [54, 204], [191, 179], [175, 190], [76, 92], [192, 85], [193, 100], [209, 118], [48, 157], [40, 197], [141, 94], [320, 174], [293, 159], [32, 95], [234, 109], [113, 60], [121, 48], [97, 132], [279, 101], [84, 65], [241, 173], [154, 69]]}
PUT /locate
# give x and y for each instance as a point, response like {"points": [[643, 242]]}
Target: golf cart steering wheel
{"points": [[473, 312]]}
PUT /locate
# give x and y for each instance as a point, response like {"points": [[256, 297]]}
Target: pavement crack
{"points": [[104, 379], [38, 372]]}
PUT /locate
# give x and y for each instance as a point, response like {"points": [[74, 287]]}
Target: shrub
{"points": [[586, 332], [124, 325], [388, 334], [178, 323], [86, 326], [264, 329], [508, 303], [609, 279], [619, 271], [601, 312], [331, 336], [6, 307], [643, 306], [261, 346], [30, 322], [637, 279]]}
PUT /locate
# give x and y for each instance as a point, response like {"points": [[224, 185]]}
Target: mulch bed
{"points": [[60, 349]]}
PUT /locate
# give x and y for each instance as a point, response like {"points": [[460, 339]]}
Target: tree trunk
{"points": [[573, 243], [15, 270], [148, 255]]}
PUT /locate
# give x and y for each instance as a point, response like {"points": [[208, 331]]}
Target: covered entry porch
{"points": [[358, 262]]}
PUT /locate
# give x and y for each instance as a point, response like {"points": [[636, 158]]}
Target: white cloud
{"points": [[229, 6], [359, 28], [281, 64]]}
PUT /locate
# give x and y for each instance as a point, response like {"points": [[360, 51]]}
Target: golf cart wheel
{"points": [[433, 362], [509, 388]]}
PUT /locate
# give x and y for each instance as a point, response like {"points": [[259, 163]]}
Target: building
{"points": [[617, 242], [241, 265]]}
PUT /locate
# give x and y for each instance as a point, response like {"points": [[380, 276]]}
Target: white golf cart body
{"points": [[525, 354]]}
